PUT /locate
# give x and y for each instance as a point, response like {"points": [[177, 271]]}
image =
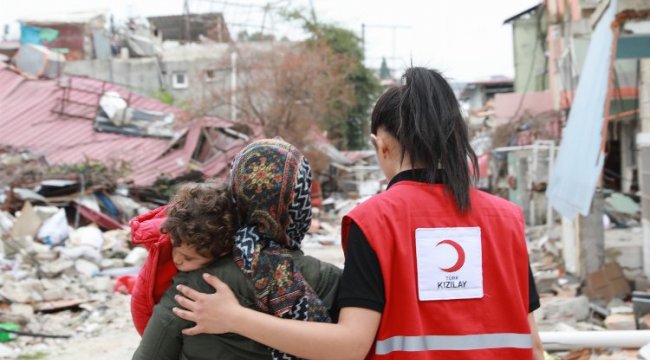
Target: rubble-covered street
{"points": [[107, 108], [65, 289]]}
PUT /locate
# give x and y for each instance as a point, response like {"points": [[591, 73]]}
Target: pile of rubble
{"points": [[614, 301], [66, 262], [58, 282]]}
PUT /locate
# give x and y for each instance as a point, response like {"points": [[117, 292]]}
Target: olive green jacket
{"points": [[163, 340]]}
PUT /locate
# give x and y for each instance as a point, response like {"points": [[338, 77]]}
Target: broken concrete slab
{"points": [[136, 257], [102, 284], [24, 310], [57, 267], [620, 322], [607, 283], [77, 252], [86, 268], [111, 263], [22, 292], [27, 223], [563, 309], [89, 236], [7, 352], [53, 294]]}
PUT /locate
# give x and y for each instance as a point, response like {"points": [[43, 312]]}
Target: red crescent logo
{"points": [[461, 256]]}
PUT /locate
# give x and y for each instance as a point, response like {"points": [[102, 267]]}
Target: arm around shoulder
{"points": [[217, 313], [351, 338]]}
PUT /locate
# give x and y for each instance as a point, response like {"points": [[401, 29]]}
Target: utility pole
{"points": [[363, 39], [267, 7], [644, 120], [186, 13], [392, 27], [313, 11], [233, 86]]}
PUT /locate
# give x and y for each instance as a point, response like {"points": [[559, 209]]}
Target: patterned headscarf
{"points": [[271, 182]]}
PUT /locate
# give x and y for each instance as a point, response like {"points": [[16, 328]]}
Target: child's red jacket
{"points": [[157, 272]]}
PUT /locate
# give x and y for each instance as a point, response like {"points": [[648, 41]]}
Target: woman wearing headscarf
{"points": [[271, 183], [434, 268]]}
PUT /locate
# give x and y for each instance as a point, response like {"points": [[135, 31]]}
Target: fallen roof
{"points": [[30, 120]]}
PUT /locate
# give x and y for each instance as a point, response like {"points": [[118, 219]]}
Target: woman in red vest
{"points": [[434, 268]]}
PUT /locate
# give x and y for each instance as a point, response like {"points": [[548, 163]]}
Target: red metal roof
{"points": [[28, 119]]}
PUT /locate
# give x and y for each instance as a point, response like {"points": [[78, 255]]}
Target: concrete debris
{"points": [[644, 352], [24, 310], [27, 223], [562, 309], [136, 257], [50, 264], [602, 301], [57, 267], [607, 283], [86, 268], [620, 322], [7, 352]]}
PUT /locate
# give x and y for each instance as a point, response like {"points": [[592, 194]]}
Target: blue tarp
{"points": [[580, 160], [30, 35], [36, 35]]}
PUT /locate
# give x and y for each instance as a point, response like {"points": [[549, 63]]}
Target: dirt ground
{"points": [[116, 344]]}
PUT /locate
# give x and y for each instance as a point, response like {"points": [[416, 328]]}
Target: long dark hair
{"points": [[424, 116]]}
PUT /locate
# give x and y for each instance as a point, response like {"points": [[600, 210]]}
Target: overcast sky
{"points": [[463, 38]]}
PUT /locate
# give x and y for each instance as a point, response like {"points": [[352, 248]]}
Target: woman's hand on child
{"points": [[212, 313]]}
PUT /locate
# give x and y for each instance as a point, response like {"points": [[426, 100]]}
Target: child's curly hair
{"points": [[202, 216]]}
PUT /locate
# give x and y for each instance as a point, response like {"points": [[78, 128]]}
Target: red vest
{"points": [[158, 270], [493, 326]]}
